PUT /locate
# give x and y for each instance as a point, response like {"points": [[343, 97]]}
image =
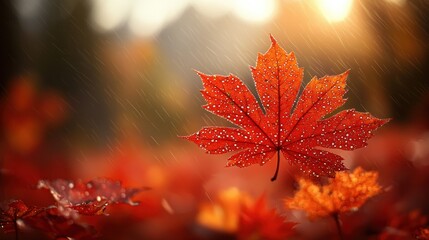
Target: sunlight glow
{"points": [[109, 14], [150, 17], [335, 10], [255, 10], [212, 8], [397, 2], [147, 17]]}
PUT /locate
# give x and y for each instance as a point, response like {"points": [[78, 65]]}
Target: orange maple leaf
{"points": [[346, 192], [287, 124]]}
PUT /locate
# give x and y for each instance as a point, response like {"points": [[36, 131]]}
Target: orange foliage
{"points": [[346, 192], [27, 113], [224, 214], [236, 213]]}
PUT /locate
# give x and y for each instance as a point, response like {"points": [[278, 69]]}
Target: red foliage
{"points": [[405, 226], [258, 222], [74, 199], [56, 224], [27, 113], [29, 149], [12, 212], [279, 126], [89, 198]]}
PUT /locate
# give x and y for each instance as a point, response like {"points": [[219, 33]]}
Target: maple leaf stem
{"points": [[336, 217], [277, 168]]}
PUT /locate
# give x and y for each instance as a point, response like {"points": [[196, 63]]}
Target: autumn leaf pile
{"points": [[73, 200]]}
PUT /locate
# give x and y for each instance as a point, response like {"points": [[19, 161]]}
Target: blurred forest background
{"points": [[103, 88], [113, 61]]}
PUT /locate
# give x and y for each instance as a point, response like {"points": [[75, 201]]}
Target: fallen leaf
{"points": [[89, 198], [54, 223], [14, 211]]}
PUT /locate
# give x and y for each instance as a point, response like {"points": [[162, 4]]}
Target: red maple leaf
{"points": [[12, 212], [89, 198], [292, 126], [50, 220], [53, 222]]}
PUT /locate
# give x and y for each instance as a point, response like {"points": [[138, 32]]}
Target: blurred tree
{"points": [[69, 62], [9, 44], [402, 34]]}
